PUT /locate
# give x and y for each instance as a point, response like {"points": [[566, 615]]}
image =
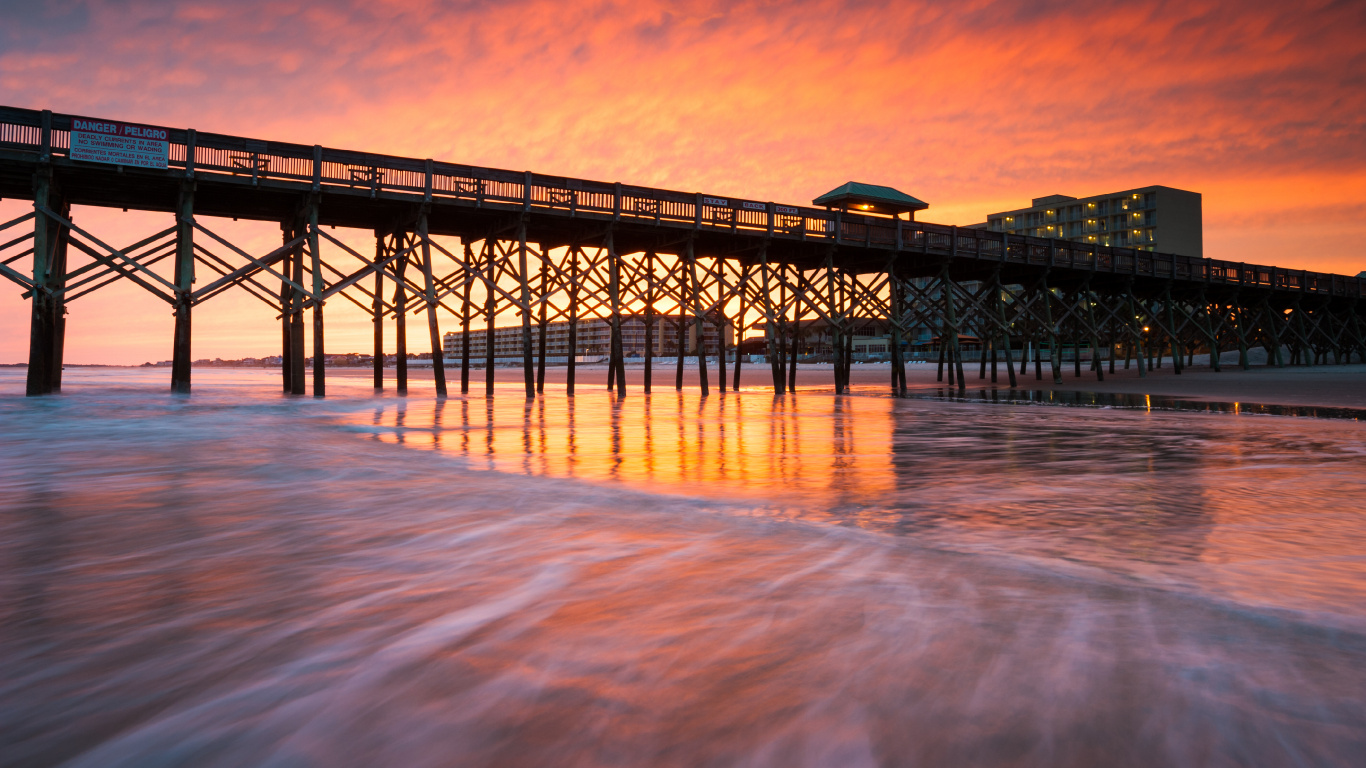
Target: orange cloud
{"points": [[973, 106]]}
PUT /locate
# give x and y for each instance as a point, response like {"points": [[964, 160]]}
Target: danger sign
{"points": [[100, 141]]}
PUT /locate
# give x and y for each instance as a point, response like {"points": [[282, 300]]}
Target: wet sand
{"points": [[1338, 386]]}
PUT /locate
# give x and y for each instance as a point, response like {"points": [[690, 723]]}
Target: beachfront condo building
{"points": [[1154, 218], [593, 339]]}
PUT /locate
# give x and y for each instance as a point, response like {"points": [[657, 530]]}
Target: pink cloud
{"points": [[973, 106]]}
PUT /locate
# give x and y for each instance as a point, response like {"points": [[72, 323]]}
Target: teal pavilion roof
{"points": [[870, 197]]}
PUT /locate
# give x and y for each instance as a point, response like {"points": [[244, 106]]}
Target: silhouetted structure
{"points": [[552, 248]]}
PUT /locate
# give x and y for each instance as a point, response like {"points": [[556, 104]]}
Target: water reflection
{"points": [[1134, 401], [1129, 491], [665, 580]]}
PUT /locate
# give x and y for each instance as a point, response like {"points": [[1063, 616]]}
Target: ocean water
{"points": [[243, 578]]}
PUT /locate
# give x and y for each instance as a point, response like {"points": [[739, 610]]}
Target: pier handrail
{"points": [[22, 130]]}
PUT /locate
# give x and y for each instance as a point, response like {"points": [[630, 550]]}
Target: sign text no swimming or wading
{"points": [[101, 141]]}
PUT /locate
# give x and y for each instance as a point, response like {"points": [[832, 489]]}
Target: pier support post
{"points": [[681, 348], [465, 322], [1096, 362], [894, 327], [720, 324], [616, 359], [57, 282], [1270, 343], [739, 327], [297, 359], [573, 318], [795, 350], [1054, 348], [319, 358], [49, 274], [528, 374], [1175, 339], [1005, 334], [1137, 331], [835, 296], [286, 314], [400, 240], [955, 347], [433, 329], [184, 283], [698, 325], [490, 312], [649, 318], [377, 313], [772, 338], [542, 322]]}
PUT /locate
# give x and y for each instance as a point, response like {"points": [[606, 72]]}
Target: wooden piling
{"points": [[401, 314], [795, 350], [528, 374], [649, 318], [1175, 340], [42, 326], [57, 283], [377, 313], [739, 326], [573, 317], [286, 314], [720, 323], [698, 326], [319, 357], [465, 298], [541, 321], [616, 358], [772, 338], [1137, 332], [836, 335], [1005, 331], [1096, 362], [297, 359], [490, 312], [1054, 348], [184, 283], [433, 330]]}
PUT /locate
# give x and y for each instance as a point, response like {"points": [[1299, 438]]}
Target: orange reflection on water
{"points": [[750, 445], [1257, 508]]}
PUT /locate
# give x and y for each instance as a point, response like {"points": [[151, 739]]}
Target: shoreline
{"points": [[1324, 386]]}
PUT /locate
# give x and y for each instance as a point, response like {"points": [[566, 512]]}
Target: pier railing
{"points": [[271, 162]]}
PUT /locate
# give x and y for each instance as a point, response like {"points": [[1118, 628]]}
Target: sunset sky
{"points": [[973, 106]]}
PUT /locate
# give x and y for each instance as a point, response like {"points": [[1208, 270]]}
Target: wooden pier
{"points": [[464, 244]]}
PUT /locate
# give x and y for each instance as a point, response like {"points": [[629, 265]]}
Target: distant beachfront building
{"points": [[869, 338], [1152, 218], [593, 339]]}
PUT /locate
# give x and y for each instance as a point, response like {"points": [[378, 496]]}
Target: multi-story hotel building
{"points": [[594, 338], [1151, 218]]}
